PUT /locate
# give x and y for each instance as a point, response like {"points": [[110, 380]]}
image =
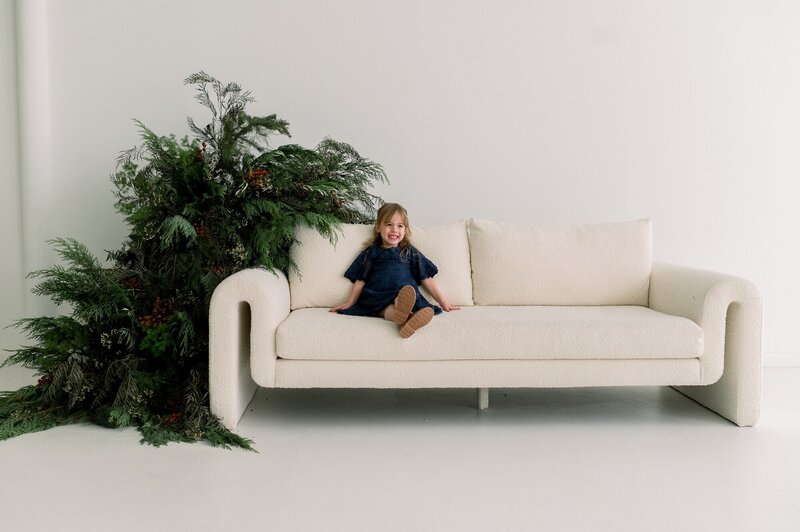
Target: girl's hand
{"points": [[357, 286], [431, 286]]}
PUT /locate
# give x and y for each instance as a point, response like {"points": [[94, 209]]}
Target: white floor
{"points": [[578, 459]]}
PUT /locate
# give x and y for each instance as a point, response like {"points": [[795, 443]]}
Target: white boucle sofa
{"points": [[560, 305]]}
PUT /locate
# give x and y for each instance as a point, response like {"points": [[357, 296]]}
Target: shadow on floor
{"points": [[561, 406]]}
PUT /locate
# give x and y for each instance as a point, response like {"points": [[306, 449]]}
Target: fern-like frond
{"points": [[183, 331], [132, 348], [174, 227], [21, 413], [262, 206], [93, 292]]}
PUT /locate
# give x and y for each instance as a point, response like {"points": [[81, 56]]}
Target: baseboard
{"points": [[781, 360]]}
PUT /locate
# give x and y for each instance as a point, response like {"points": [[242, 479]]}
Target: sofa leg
{"points": [[483, 398]]}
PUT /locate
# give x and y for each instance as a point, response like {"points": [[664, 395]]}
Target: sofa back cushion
{"points": [[321, 265], [561, 264]]}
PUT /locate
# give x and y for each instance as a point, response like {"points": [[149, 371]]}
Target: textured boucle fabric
{"points": [[485, 373], [321, 265], [701, 333], [493, 333], [447, 246], [729, 310], [244, 314], [560, 264]]}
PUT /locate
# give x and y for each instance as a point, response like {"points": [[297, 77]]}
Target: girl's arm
{"points": [[357, 287], [432, 287]]}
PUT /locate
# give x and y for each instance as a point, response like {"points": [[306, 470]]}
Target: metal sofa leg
{"points": [[483, 398]]}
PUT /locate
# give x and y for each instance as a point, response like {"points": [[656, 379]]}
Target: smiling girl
{"points": [[387, 274]]}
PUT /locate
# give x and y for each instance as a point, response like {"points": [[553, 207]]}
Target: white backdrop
{"points": [[686, 112], [11, 264]]}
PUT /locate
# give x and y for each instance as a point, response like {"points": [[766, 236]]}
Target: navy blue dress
{"points": [[385, 271]]}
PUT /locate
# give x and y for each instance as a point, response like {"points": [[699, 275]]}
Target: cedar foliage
{"points": [[134, 349]]}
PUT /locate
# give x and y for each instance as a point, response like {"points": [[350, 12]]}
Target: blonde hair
{"points": [[385, 214]]}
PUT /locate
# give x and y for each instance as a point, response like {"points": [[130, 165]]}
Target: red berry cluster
{"points": [[258, 177], [171, 419], [202, 152], [218, 269], [200, 229], [44, 380], [161, 312], [132, 282]]}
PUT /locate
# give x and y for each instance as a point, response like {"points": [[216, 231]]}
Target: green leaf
{"points": [[176, 226]]}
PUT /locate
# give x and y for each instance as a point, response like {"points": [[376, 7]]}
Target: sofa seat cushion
{"points": [[494, 333]]}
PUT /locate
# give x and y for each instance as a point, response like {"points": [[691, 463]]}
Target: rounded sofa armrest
{"points": [[692, 293], [729, 311], [241, 355]]}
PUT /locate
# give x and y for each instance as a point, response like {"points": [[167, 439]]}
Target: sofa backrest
{"points": [[321, 265], [561, 264]]}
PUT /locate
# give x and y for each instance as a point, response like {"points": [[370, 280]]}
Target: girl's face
{"points": [[393, 231]]}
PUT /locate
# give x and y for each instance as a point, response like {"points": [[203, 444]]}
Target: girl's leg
{"points": [[402, 307], [388, 313]]}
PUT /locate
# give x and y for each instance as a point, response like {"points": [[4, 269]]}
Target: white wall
{"points": [[11, 269], [684, 111]]}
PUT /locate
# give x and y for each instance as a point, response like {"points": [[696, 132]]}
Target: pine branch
{"points": [[175, 226], [134, 349], [21, 413], [182, 329], [92, 291]]}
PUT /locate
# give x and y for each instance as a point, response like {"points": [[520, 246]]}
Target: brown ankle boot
{"points": [[403, 305], [417, 320]]}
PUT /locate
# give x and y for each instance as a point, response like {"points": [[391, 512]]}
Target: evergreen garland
{"points": [[134, 350]]}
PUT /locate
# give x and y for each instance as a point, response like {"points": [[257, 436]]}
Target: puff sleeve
{"points": [[359, 270], [421, 267]]}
